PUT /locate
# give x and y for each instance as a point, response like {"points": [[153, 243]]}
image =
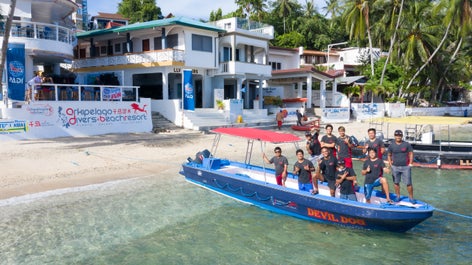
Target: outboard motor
{"points": [[200, 155], [380, 136], [354, 140]]}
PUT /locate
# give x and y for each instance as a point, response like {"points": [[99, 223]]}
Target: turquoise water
{"points": [[161, 219]]}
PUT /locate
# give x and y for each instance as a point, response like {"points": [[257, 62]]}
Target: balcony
{"points": [[160, 56], [41, 31], [245, 68], [244, 25]]}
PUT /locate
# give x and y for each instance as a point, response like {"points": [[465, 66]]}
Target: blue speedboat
{"points": [[256, 185]]}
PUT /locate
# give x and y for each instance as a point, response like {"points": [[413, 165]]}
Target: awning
{"points": [[348, 79]]}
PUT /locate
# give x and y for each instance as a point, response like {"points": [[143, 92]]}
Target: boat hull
{"points": [[303, 205]]}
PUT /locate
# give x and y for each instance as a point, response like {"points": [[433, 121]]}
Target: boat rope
{"points": [[240, 189], [453, 213]]}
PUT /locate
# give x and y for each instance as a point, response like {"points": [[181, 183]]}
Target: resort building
{"points": [[44, 33], [228, 59]]}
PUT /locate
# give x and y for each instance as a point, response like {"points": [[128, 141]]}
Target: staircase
{"points": [[161, 124]]}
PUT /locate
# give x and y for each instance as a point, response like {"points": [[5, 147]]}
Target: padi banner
{"points": [[189, 101], [16, 71]]}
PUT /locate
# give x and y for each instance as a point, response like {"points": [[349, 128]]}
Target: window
{"points": [[103, 50], [157, 43], [275, 66], [201, 43], [117, 47], [125, 47], [172, 41], [226, 54]]}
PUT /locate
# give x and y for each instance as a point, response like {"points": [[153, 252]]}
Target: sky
{"points": [[197, 9]]}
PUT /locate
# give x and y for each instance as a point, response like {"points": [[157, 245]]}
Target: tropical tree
{"points": [[357, 24], [6, 37], [139, 10], [284, 9]]}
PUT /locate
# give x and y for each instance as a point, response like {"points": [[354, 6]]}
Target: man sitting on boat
{"points": [[303, 168], [280, 163], [373, 169]]}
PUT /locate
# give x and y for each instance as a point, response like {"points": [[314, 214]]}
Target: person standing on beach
{"points": [[400, 158], [329, 140], [375, 143], [280, 119], [326, 169], [303, 168], [299, 118], [344, 145], [373, 169], [280, 163]]}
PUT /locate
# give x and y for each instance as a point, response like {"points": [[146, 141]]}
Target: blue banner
{"points": [[189, 94], [16, 71]]}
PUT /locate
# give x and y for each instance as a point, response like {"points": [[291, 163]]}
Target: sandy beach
{"points": [[31, 166]]}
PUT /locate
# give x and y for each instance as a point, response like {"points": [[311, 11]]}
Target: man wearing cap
{"points": [[280, 163], [345, 178], [400, 158]]}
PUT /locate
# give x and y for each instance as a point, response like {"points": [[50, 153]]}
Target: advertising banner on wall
{"points": [[16, 71], [61, 119], [188, 93]]}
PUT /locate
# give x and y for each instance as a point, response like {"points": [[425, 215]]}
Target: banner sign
{"points": [[74, 118], [16, 71], [188, 93], [111, 93]]}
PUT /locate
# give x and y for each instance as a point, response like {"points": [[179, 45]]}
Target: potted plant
{"points": [[220, 104]]}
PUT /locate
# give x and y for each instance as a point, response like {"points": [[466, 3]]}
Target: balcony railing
{"points": [[131, 58], [36, 30], [74, 92]]}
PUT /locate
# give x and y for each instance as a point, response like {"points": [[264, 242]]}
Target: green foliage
{"points": [[139, 10], [291, 39], [272, 100]]}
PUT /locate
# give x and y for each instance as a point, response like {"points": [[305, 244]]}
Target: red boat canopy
{"points": [[258, 134]]}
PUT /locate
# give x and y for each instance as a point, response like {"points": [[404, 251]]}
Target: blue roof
{"points": [[182, 21]]}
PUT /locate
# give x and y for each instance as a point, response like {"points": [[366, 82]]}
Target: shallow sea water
{"points": [[162, 219]]}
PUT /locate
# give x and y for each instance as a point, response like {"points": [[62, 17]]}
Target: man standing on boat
{"points": [[280, 163], [329, 140], [374, 143], [313, 146], [400, 158], [303, 168], [345, 178], [344, 145], [373, 169], [326, 169]]}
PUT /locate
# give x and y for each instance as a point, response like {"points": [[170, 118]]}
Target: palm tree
{"points": [[357, 23], [284, 8], [392, 40], [6, 37], [459, 12]]}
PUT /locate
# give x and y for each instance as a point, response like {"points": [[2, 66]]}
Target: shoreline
{"points": [[33, 166]]}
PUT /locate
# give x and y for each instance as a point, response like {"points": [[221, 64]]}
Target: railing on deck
{"points": [[37, 30], [74, 92], [167, 55]]}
